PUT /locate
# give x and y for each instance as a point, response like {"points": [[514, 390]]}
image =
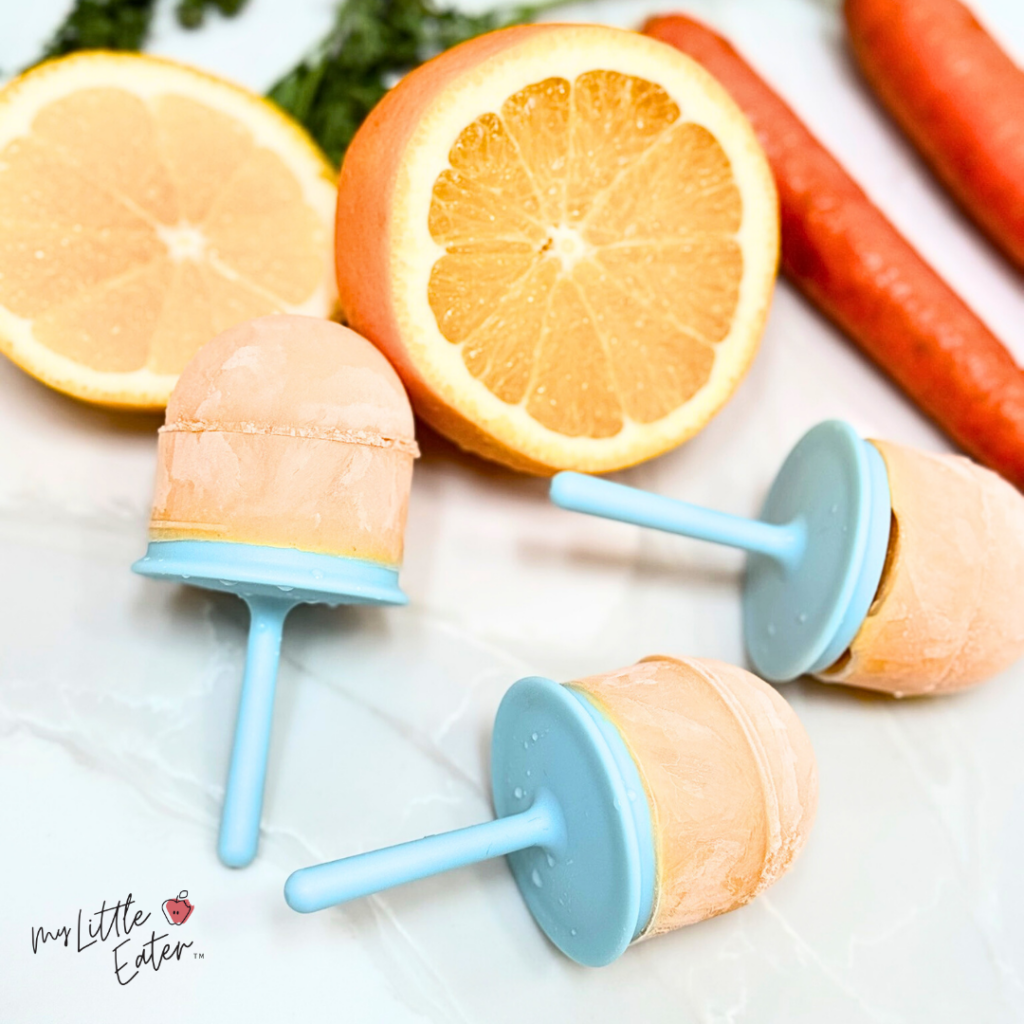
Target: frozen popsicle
{"points": [[629, 804], [872, 564], [949, 610], [283, 476]]}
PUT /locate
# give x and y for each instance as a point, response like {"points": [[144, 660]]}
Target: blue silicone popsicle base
{"points": [[573, 821], [596, 894], [271, 581], [802, 613], [253, 570]]}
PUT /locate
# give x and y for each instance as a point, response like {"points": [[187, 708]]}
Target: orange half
{"points": [[565, 238], [144, 208]]}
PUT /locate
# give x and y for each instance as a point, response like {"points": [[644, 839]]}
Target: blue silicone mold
{"points": [[272, 581], [573, 820], [815, 556]]}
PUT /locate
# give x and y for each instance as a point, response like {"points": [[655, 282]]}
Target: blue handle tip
{"points": [[298, 895], [562, 486], [235, 852]]}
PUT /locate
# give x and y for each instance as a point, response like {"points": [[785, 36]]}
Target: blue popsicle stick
{"points": [[272, 581], [816, 554], [243, 798], [582, 854], [339, 881], [578, 492]]}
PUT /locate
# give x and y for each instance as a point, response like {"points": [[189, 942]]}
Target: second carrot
{"points": [[848, 259]]}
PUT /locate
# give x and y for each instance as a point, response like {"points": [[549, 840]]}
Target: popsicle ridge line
{"points": [[367, 437], [773, 858]]}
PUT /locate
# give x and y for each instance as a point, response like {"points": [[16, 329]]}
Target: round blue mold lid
{"points": [[800, 614], [593, 891], [254, 570]]}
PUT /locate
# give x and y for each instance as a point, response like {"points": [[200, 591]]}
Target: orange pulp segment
{"points": [[601, 277]]}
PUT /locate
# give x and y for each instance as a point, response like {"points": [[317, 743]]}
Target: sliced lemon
{"points": [[145, 207]]}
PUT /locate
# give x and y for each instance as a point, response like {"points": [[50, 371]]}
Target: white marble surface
{"points": [[117, 694]]}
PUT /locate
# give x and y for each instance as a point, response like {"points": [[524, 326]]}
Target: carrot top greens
{"points": [[371, 45], [122, 24]]}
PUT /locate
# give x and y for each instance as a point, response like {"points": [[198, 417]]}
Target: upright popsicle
{"points": [[872, 564], [283, 476], [629, 804]]}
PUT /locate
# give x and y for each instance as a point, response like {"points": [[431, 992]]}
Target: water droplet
{"points": [[317, 574], [517, 793], [527, 772], [534, 737], [631, 793], [536, 879], [551, 861], [572, 931], [802, 617], [226, 583], [185, 576], [284, 590], [834, 509], [771, 629], [526, 744]]}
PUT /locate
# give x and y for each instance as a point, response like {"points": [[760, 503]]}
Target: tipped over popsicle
{"points": [[629, 804], [949, 609], [283, 476], [872, 564]]}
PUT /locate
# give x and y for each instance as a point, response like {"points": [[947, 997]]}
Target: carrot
{"points": [[958, 97], [843, 254]]}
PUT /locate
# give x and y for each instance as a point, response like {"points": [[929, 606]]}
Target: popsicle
{"points": [[949, 611], [872, 564], [629, 804], [283, 476]]}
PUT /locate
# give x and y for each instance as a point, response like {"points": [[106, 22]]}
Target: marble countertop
{"points": [[117, 694]]}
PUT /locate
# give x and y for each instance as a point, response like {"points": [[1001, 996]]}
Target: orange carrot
{"points": [[843, 254], [958, 97]]}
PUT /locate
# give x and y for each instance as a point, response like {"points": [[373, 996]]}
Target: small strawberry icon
{"points": [[178, 911]]}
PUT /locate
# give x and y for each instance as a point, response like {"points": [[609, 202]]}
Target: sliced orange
{"points": [[144, 208], [565, 239]]}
